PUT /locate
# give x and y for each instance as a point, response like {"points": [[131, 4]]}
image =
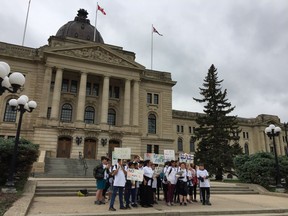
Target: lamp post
{"points": [[286, 141], [22, 105], [273, 132], [10, 82]]}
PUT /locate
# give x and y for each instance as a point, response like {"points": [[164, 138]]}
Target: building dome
{"points": [[80, 28]]}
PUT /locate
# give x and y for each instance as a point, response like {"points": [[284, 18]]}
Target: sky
{"points": [[246, 40]]}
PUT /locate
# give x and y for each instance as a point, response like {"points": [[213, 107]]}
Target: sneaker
{"points": [[112, 209], [102, 202], [128, 207], [181, 203], [155, 202], [194, 200], [97, 202], [168, 204], [185, 204], [189, 201], [134, 205], [123, 208]]}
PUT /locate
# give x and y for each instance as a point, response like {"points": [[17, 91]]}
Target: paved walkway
{"points": [[82, 206]]}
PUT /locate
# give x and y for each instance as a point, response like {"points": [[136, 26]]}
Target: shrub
{"points": [[260, 168], [27, 154]]}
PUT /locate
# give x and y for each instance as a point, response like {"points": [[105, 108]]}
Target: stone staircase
{"points": [[67, 168], [69, 187]]}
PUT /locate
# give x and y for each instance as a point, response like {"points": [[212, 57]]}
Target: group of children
{"points": [[179, 182]]}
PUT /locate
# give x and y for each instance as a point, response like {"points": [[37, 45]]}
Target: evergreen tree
{"points": [[217, 132]]}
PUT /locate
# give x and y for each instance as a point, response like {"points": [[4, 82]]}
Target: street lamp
{"points": [[22, 104], [10, 82], [273, 132]]}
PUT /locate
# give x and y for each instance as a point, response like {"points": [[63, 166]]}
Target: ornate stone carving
{"points": [[115, 136], [91, 134], [17, 51], [65, 132], [97, 53]]}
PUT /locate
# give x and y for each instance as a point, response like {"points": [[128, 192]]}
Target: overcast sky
{"points": [[246, 40]]}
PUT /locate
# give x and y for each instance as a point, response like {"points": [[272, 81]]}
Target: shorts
{"points": [[101, 184]]}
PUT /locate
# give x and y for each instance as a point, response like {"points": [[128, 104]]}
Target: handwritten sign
{"points": [[122, 153], [135, 175], [158, 170], [114, 159], [158, 159], [169, 155], [148, 156], [186, 158]]}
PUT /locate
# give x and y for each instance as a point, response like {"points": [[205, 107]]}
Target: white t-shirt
{"points": [[149, 173], [203, 173], [119, 178], [171, 174], [184, 175]]}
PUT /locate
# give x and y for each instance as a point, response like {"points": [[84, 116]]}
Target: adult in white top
{"points": [[147, 193], [119, 182], [171, 181], [182, 186], [204, 183]]}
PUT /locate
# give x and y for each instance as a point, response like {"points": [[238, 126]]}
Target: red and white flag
{"points": [[101, 9], [154, 30]]}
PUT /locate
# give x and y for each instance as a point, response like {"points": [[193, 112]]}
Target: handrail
{"points": [[83, 160]]}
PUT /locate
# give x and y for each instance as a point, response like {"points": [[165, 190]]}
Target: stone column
{"points": [[45, 92], [136, 103], [56, 94], [105, 100], [81, 97], [126, 111]]}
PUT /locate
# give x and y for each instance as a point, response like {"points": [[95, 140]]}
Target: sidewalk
{"points": [[275, 204]]}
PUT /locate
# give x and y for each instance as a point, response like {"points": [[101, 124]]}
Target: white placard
{"points": [[122, 153], [169, 155], [135, 175]]}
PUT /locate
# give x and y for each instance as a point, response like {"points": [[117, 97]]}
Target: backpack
{"points": [[98, 172]]}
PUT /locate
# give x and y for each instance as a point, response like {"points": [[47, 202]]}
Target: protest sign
{"points": [[135, 175], [122, 153], [158, 159], [186, 158], [148, 156], [169, 155], [114, 159], [158, 170]]}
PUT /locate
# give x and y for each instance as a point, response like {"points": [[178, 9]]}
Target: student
{"points": [[164, 180], [182, 176], [171, 182], [203, 175], [119, 174], [128, 186], [134, 189], [100, 173], [147, 193], [154, 184]]}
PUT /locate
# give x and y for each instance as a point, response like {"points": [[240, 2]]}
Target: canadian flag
{"points": [[101, 9]]}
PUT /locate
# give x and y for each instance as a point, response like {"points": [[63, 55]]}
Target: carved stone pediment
{"points": [[65, 131], [99, 54], [115, 136], [91, 134]]}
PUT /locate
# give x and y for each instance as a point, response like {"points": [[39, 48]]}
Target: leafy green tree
{"points": [[217, 132]]}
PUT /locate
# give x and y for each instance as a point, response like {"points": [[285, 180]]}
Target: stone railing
{"points": [[39, 166]]}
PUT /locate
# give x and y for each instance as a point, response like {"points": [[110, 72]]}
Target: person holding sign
{"points": [[171, 181], [203, 176], [182, 189], [119, 174]]}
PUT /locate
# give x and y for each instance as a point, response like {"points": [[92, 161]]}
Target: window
{"points": [[114, 92], [156, 149], [111, 117], [10, 114], [48, 112], [190, 129], [152, 124], [178, 128], [244, 135], [66, 113], [246, 149], [95, 89], [272, 149], [73, 88], [182, 129], [247, 135], [52, 84], [149, 98], [156, 98], [152, 98], [88, 88], [192, 144], [65, 85], [149, 148], [180, 144], [89, 115]]}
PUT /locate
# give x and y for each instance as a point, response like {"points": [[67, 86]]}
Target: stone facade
{"points": [[99, 93]]}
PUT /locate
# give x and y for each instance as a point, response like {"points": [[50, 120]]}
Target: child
{"points": [[202, 175]]}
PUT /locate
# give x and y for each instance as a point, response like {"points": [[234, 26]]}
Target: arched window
{"points": [[246, 149], [180, 144], [152, 124], [89, 115], [192, 144], [66, 113], [111, 117], [10, 114]]}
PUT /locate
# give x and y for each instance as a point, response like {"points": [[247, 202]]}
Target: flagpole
{"points": [[24, 34], [152, 47], [94, 39]]}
